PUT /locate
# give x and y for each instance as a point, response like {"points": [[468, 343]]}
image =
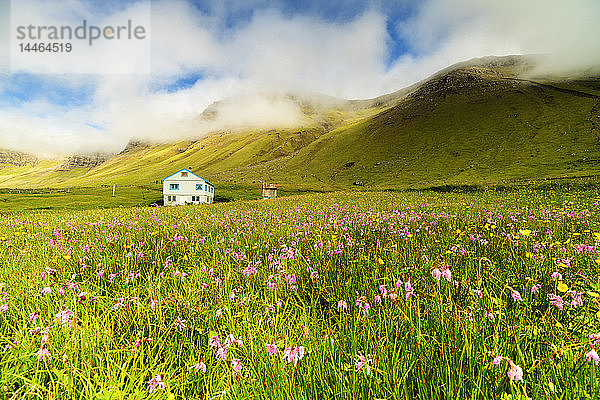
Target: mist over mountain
{"points": [[248, 57], [492, 119]]}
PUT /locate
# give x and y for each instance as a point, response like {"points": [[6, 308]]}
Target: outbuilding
{"points": [[269, 190], [185, 187]]}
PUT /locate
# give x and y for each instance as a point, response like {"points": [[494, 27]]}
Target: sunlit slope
{"points": [[42, 173], [144, 164], [465, 125], [465, 129]]}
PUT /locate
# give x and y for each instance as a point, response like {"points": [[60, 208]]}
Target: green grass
{"points": [[78, 198], [81, 198], [337, 246]]}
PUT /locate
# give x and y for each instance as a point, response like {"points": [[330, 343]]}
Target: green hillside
{"points": [[465, 128], [471, 124]]}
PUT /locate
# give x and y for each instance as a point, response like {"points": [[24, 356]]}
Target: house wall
{"points": [[269, 193], [187, 189]]}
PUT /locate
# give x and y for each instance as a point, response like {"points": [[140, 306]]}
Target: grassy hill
{"points": [[465, 127], [473, 123]]}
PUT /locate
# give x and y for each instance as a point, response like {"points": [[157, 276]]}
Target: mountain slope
{"points": [[476, 122], [466, 127]]}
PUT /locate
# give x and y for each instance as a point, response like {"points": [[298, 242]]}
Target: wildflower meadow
{"points": [[414, 295]]}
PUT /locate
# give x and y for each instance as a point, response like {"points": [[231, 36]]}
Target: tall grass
{"points": [[150, 287]]}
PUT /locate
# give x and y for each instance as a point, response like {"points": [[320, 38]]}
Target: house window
{"points": [[198, 186], [171, 198], [195, 198], [174, 186], [184, 174]]}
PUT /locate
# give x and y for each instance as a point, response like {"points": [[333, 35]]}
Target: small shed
{"points": [[269, 190], [185, 187]]}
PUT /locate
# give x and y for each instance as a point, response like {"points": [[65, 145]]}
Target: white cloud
{"points": [[276, 53], [444, 32]]}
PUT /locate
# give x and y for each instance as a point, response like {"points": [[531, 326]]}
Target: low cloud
{"points": [[250, 68]]}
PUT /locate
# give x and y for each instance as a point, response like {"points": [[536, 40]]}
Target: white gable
{"points": [[184, 175]]}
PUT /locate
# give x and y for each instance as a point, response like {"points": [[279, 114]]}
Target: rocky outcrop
{"points": [[83, 161], [134, 145], [8, 157]]}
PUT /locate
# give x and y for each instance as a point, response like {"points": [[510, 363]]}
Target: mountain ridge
{"points": [[460, 125]]}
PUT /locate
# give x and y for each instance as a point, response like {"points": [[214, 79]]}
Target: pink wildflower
{"points": [[294, 354], [74, 286], [118, 304], [383, 290], [497, 360], [13, 343], [47, 290], [557, 276], [156, 383], [447, 274], [236, 365], [409, 290], [200, 366], [437, 274], [556, 301], [65, 317], [362, 305], [222, 352], [180, 324], [366, 308], [213, 342], [34, 316], [153, 304], [592, 355], [516, 296], [43, 354], [230, 339], [577, 300], [342, 305], [515, 373], [271, 348], [306, 333], [4, 308], [363, 361], [536, 288]]}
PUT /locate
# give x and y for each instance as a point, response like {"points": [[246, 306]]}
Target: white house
{"points": [[185, 187]]}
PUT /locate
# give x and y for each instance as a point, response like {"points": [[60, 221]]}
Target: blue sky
{"points": [[227, 16], [207, 51], [25, 87]]}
